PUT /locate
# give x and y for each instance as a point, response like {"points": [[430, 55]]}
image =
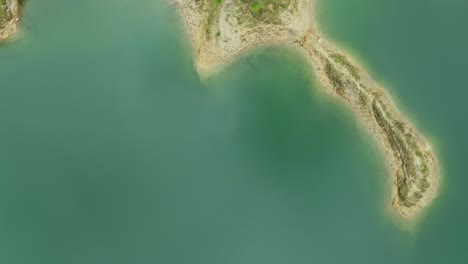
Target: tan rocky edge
{"points": [[9, 17], [221, 29]]}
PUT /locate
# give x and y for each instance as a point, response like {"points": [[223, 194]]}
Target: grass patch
{"points": [[419, 153], [424, 169], [256, 7], [2, 3], [213, 7], [266, 11], [340, 59], [251, 12]]}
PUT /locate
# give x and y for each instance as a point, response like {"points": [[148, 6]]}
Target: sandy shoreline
{"points": [[410, 159]]}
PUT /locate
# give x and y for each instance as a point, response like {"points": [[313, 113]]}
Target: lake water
{"points": [[113, 151]]}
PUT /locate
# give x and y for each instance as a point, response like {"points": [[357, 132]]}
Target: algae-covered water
{"points": [[113, 151]]}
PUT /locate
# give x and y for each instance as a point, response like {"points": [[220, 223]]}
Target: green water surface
{"points": [[113, 151]]}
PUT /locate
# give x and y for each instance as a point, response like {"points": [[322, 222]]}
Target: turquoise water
{"points": [[418, 50], [113, 151]]}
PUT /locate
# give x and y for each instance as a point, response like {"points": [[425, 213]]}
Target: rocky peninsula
{"points": [[9, 17], [221, 29]]}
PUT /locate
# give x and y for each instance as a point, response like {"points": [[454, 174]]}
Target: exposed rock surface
{"points": [[9, 17]]}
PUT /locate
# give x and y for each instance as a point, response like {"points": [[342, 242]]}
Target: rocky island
{"points": [[221, 29], [9, 17]]}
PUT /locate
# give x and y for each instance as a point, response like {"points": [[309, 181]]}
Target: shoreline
{"points": [[408, 156]]}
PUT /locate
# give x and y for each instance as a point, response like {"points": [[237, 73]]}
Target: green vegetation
{"points": [[424, 169], [2, 4], [423, 184], [212, 7], [262, 5], [256, 7], [5, 14], [340, 59], [266, 11], [251, 12]]}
